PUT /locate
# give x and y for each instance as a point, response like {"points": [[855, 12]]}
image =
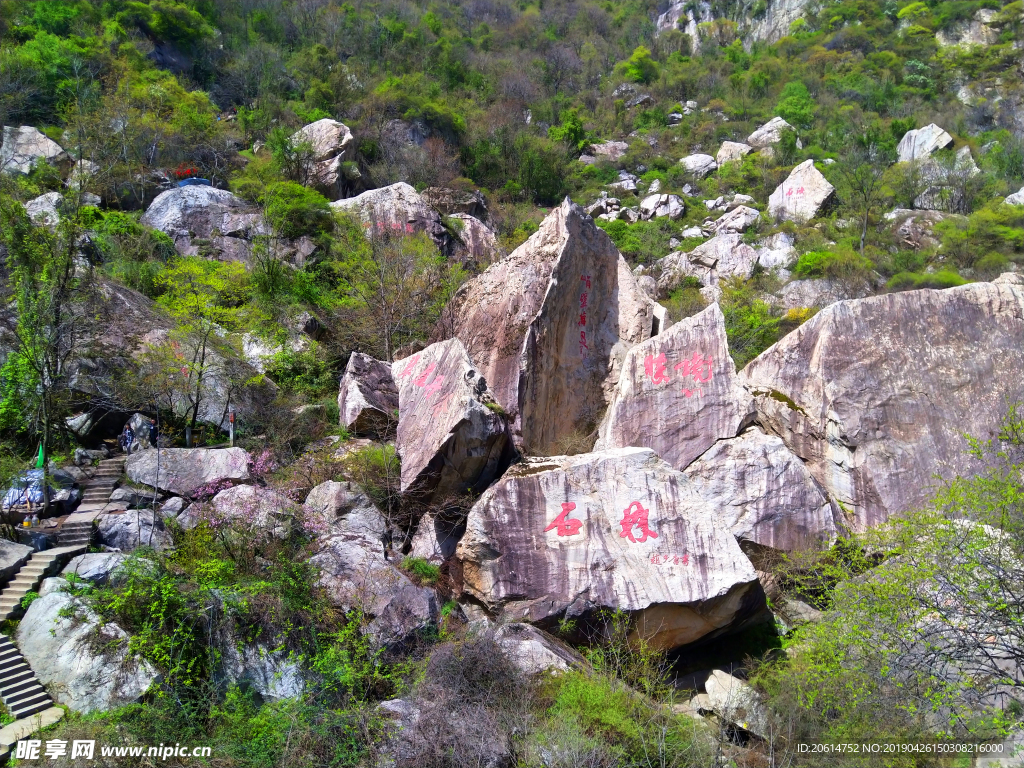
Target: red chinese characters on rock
{"points": [[582, 322], [563, 525], [792, 192], [682, 559], [421, 380], [654, 367], [697, 367], [635, 516]]}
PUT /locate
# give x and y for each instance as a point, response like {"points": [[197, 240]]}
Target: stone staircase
{"points": [[97, 491], [21, 692], [31, 574]]}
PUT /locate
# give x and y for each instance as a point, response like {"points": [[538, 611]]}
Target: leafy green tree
{"points": [[640, 67], [571, 132], [54, 320], [795, 104]]}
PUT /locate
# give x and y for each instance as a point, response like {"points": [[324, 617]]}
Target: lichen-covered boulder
{"points": [[876, 394], [84, 662], [476, 242], [452, 436], [678, 393], [567, 536], [801, 196], [368, 397], [764, 493], [549, 325]]}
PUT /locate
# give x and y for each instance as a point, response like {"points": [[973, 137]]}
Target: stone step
{"points": [[30, 706], [21, 729]]}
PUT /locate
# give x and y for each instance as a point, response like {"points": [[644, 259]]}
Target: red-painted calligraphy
{"points": [[635, 516], [407, 371], [654, 367], [563, 525]]}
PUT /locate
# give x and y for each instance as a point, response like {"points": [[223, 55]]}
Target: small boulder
{"points": [[125, 531], [801, 196], [173, 507], [922, 142], [183, 471], [736, 702], [332, 145], [368, 397], [732, 150], [739, 219], [342, 507], [258, 511], [83, 662], [699, 166], [449, 202], [609, 150], [436, 538], [661, 206], [569, 536], [45, 209], [452, 436], [101, 567], [396, 209], [198, 212], [12, 557], [765, 492], [768, 134], [476, 242], [534, 651], [1017, 198], [722, 256], [25, 145], [678, 393]]}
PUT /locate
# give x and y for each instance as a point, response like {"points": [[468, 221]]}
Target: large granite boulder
{"points": [[45, 209], [739, 219], [738, 703], [549, 325], [567, 536], [449, 202], [922, 142], [476, 242], [332, 144], [25, 145], [768, 134], [801, 196], [253, 511], [206, 221], [452, 436], [355, 574], [534, 651], [98, 567], [876, 394], [764, 493], [342, 507], [725, 255], [183, 471], [678, 393], [368, 397], [699, 166], [83, 662], [732, 150], [396, 209], [1017, 198]]}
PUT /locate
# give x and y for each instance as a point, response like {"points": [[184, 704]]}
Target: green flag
{"points": [[39, 461]]}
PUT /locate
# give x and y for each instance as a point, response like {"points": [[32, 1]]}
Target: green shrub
{"points": [[294, 210], [29, 598], [795, 105], [907, 281], [639, 67], [642, 242], [426, 572], [840, 264]]}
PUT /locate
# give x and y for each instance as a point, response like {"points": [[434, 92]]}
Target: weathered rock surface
{"points": [[722, 256], [777, 252], [801, 196], [12, 557], [44, 210], [732, 150], [621, 530], [921, 142], [874, 394], [818, 292], [436, 538], [768, 134], [98, 567], [476, 241], [738, 703], [223, 222], [1017, 198], [355, 574], [23, 146], [368, 397], [764, 493], [184, 470], [974, 31], [548, 325], [127, 530], [449, 202], [534, 651], [699, 165], [609, 150], [259, 511], [661, 206], [945, 181], [332, 144], [62, 651], [449, 440], [737, 220], [915, 229], [678, 393], [343, 507], [396, 209]]}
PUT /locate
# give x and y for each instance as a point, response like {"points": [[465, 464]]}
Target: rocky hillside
{"points": [[536, 384]]}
